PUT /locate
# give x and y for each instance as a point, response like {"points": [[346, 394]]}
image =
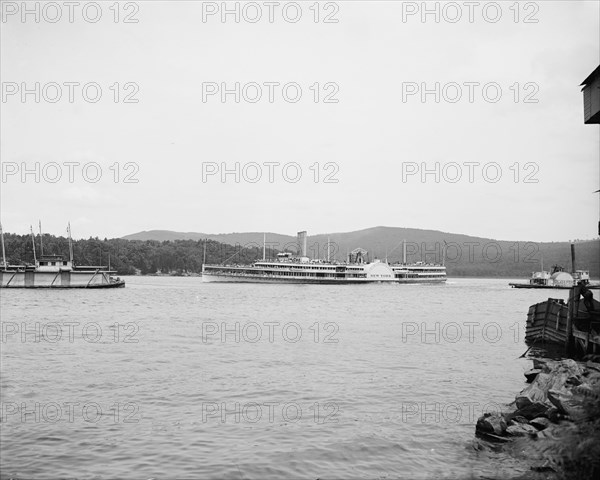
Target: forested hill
{"points": [[131, 257], [464, 256]]}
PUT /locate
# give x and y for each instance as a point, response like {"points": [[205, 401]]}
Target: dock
{"points": [[566, 324], [591, 286]]}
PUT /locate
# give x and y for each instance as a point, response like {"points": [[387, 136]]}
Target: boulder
{"points": [[531, 374], [553, 415], [539, 363], [564, 402], [560, 370], [546, 466], [592, 359], [491, 423], [552, 395], [555, 376], [540, 423], [521, 430], [518, 419], [592, 377], [532, 410], [585, 389], [535, 392]]}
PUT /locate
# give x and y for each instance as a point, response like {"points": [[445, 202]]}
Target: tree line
{"points": [[182, 257], [131, 257]]}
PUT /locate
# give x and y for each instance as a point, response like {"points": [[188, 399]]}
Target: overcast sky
{"points": [[521, 139]]}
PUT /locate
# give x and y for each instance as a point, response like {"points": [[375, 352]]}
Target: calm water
{"points": [[307, 382]]}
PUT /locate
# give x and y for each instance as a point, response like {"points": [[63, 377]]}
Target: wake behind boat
{"points": [[301, 269]]}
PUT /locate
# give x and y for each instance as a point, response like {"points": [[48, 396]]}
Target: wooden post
{"points": [[530, 323], [569, 332], [560, 307], [587, 339], [572, 310]]}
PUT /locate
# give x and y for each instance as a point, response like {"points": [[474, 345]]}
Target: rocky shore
{"points": [[554, 422]]}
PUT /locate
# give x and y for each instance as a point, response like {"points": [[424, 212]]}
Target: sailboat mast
{"points": [[3, 251], [33, 244], [41, 240], [70, 244]]}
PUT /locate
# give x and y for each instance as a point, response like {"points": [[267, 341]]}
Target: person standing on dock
{"points": [[588, 296]]}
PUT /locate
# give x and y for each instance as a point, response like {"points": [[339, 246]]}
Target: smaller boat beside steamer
{"points": [[558, 278]]}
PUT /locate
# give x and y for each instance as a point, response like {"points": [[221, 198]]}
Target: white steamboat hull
{"points": [[419, 281], [321, 273], [222, 278]]}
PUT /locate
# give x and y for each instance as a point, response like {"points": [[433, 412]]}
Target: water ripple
{"points": [[177, 400]]}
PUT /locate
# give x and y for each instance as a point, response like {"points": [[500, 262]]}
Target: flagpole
{"points": [[33, 243]]}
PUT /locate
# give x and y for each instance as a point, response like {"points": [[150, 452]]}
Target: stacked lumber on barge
{"points": [[570, 324]]}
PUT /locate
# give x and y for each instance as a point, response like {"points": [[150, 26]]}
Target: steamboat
{"points": [[558, 278], [287, 268]]}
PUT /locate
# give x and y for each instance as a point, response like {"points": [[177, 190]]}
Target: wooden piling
{"points": [[570, 316], [572, 312]]}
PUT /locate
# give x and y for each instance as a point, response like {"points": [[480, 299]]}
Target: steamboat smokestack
{"points": [[573, 257], [302, 243]]}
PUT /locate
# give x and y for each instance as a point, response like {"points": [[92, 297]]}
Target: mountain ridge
{"points": [[463, 254]]}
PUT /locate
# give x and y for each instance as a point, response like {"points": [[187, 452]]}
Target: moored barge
{"points": [[52, 271]]}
